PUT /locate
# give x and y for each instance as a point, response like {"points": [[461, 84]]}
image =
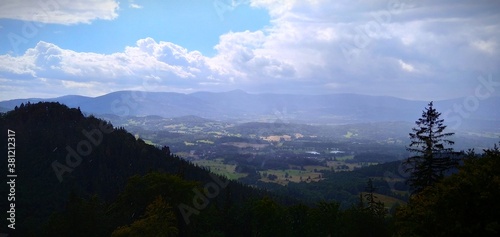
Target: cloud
{"points": [[238, 54], [135, 6], [149, 65], [411, 49], [487, 46], [16, 65], [405, 66], [73, 85], [367, 46], [63, 12]]}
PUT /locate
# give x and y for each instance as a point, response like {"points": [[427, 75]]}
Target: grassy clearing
{"points": [[350, 134], [311, 168], [337, 165], [343, 158], [292, 175], [137, 136], [388, 201], [150, 142], [217, 166]]}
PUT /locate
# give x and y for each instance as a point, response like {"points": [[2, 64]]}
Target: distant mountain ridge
{"points": [[241, 106]]}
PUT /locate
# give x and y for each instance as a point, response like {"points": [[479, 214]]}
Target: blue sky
{"points": [[194, 24], [426, 50]]}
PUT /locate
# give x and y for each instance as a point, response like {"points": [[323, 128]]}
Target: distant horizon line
{"points": [[230, 91]]}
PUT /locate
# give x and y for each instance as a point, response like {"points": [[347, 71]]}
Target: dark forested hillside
{"points": [[60, 153], [72, 175]]}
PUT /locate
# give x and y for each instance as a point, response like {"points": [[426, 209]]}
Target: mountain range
{"points": [[237, 105]]}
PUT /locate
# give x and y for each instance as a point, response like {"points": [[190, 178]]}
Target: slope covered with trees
{"points": [[80, 176], [64, 159], [463, 204]]}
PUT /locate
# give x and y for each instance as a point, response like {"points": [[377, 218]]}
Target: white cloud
{"points": [[405, 66], [353, 45], [64, 12], [72, 84], [135, 6], [149, 65], [309, 47], [486, 46], [132, 4]]}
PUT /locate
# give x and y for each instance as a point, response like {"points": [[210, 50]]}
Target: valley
{"points": [[232, 118], [291, 165], [277, 155], [289, 144]]}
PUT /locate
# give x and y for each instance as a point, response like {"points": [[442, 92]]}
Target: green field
{"points": [[350, 134], [343, 158], [388, 201], [294, 175], [217, 166], [311, 173]]}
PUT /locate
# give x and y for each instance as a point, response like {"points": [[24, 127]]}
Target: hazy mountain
{"points": [[242, 106]]}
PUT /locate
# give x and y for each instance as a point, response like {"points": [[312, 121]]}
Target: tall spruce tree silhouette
{"points": [[432, 158]]}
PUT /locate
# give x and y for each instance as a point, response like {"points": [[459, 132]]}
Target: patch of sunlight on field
{"points": [[349, 134], [276, 138]]}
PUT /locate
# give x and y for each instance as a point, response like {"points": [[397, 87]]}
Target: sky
{"points": [[419, 50]]}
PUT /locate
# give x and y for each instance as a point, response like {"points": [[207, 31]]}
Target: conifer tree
{"points": [[375, 207], [432, 158]]}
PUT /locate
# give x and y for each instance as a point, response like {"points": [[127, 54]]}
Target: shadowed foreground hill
{"points": [[61, 153]]}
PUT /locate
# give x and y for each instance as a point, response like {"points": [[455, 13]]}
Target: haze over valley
{"points": [[250, 118]]}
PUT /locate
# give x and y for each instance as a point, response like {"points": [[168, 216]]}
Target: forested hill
{"points": [[59, 153], [71, 175]]}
